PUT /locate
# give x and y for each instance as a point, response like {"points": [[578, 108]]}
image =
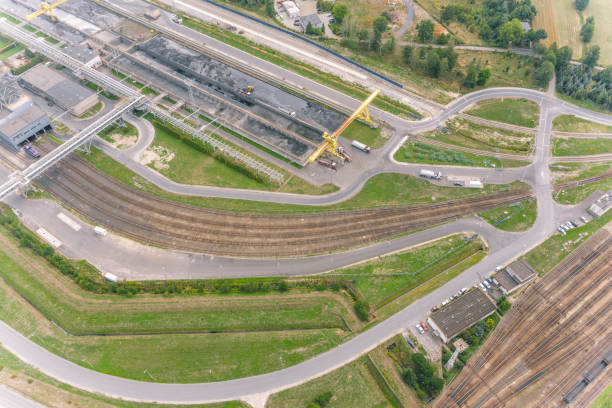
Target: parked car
{"points": [[420, 329], [424, 326], [487, 284], [30, 150], [482, 287], [561, 230], [436, 307], [583, 218]]}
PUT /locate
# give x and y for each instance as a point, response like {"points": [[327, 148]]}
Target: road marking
{"points": [[44, 234], [69, 221]]}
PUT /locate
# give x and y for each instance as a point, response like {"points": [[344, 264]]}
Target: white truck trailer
{"points": [[431, 174], [361, 146]]}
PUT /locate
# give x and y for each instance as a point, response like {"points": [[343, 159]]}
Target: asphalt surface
{"points": [[12, 399], [504, 248], [408, 22]]}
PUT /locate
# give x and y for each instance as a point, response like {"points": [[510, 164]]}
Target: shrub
{"points": [[323, 399], [362, 310]]}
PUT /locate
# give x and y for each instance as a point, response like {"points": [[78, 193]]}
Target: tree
{"points": [[591, 56], [541, 34], [564, 56], [409, 378], [587, 30], [470, 77], [407, 53], [425, 30], [270, 8], [376, 41], [581, 4], [389, 46], [510, 32], [339, 11], [483, 76], [433, 64], [380, 24]]}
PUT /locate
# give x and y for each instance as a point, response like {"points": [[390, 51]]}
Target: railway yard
{"points": [[555, 332], [321, 255]]}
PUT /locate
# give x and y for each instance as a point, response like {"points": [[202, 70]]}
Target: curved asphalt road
{"points": [[252, 388]]}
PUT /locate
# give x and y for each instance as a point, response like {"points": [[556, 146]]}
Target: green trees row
{"points": [[421, 377], [587, 30]]}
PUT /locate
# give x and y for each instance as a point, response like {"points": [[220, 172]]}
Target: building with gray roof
{"points": [[515, 275], [64, 92], [313, 19], [463, 312]]}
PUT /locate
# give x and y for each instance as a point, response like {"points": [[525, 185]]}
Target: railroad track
{"points": [[151, 219], [548, 336], [578, 183]]}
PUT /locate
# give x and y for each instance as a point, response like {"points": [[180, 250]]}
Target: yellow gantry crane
{"points": [[330, 144], [45, 8]]}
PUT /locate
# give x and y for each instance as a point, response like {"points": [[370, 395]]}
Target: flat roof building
{"points": [[461, 313], [515, 275], [64, 92], [20, 118], [601, 206], [84, 54]]}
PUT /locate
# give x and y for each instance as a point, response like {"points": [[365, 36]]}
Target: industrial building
{"points": [[314, 20], [601, 206], [20, 118], [463, 312], [84, 54], [64, 92], [515, 275]]}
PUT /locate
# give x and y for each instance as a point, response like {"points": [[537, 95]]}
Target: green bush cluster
{"points": [[321, 401], [417, 371], [503, 305], [210, 150]]}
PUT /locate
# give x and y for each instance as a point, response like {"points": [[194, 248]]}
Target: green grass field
{"points": [[114, 131], [386, 278], [570, 123], [382, 190], [604, 400], [465, 133], [190, 166], [574, 146], [515, 217], [429, 154], [33, 384], [552, 251], [520, 112], [577, 194], [93, 111], [577, 171], [352, 386]]}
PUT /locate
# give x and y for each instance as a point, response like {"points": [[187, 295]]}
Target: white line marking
{"points": [[69, 221], [44, 234]]}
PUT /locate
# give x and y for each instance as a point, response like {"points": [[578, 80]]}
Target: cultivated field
{"points": [[561, 21]]}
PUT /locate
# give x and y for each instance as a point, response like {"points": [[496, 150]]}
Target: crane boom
{"points": [[331, 141], [45, 8]]}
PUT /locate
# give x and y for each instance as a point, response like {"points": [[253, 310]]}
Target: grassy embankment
{"points": [[419, 152], [576, 171], [573, 124], [39, 387], [520, 112], [552, 251], [182, 163], [574, 146], [296, 322], [120, 136], [514, 217], [384, 190], [465, 133]]}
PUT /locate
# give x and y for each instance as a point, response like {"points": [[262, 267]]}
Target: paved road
{"points": [[408, 22], [12, 399], [504, 248]]}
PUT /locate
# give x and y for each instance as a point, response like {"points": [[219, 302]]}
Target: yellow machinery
{"points": [[45, 8], [330, 144]]}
